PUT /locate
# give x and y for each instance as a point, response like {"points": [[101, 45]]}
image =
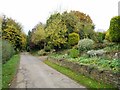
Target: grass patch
{"points": [[0, 75], [0, 63], [9, 70], [86, 81]]}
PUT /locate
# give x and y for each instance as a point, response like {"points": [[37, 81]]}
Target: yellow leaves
{"points": [[13, 33], [56, 32], [107, 35], [23, 40], [39, 34]]}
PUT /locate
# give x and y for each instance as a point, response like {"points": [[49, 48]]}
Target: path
{"points": [[33, 73]]}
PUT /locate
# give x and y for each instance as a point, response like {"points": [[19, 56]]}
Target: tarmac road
{"points": [[33, 73]]}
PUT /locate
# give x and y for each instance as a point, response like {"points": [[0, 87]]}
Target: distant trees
{"points": [[38, 35], [36, 38], [60, 30], [28, 43], [113, 33]]}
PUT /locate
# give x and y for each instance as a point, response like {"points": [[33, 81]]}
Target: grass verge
{"points": [[0, 63], [0, 74], [85, 81], [9, 70]]}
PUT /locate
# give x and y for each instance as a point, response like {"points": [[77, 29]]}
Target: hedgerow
{"points": [[7, 51]]}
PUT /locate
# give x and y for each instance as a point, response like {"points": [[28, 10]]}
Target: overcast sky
{"points": [[30, 12]]}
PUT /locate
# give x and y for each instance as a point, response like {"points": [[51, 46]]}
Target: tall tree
{"points": [[12, 32], [80, 23], [70, 21], [38, 35], [55, 31], [82, 17], [28, 41]]}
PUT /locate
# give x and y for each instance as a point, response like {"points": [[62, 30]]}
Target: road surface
{"points": [[33, 73]]}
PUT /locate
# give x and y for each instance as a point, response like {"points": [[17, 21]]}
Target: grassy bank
{"points": [[9, 70], [0, 63], [0, 75], [88, 82]]}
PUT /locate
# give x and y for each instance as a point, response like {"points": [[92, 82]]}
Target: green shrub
{"points": [[73, 53], [106, 42], [73, 38], [114, 29], [47, 48], [115, 65], [100, 37], [107, 35], [99, 46], [85, 45], [7, 51]]}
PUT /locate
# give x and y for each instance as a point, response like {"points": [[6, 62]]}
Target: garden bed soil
{"points": [[105, 76]]}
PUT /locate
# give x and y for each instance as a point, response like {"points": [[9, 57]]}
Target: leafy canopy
{"points": [[12, 32]]}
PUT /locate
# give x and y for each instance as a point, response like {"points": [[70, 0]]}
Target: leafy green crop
{"points": [[74, 53], [101, 63]]}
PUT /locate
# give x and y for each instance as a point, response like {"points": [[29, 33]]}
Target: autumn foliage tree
{"points": [[55, 31], [38, 36], [62, 29], [82, 17], [12, 32], [84, 26]]}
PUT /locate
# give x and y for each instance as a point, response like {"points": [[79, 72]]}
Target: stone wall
{"points": [[90, 71]]}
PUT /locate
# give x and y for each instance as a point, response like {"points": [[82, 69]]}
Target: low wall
{"points": [[92, 72]]}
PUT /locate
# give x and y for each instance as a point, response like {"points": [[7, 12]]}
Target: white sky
{"points": [[30, 12]]}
